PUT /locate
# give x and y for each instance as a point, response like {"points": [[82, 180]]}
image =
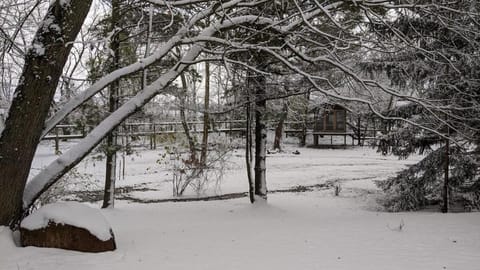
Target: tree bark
{"points": [[277, 142], [260, 137], [206, 120], [248, 151], [44, 63], [111, 141]]}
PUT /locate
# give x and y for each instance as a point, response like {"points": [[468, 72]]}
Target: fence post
{"points": [[154, 137], [57, 142], [150, 135], [359, 134]]}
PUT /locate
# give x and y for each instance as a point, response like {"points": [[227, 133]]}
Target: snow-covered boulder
{"points": [[68, 225]]}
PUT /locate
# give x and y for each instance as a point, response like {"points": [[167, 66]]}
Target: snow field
{"points": [[284, 170], [310, 230]]}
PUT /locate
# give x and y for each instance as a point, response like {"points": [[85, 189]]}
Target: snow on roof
{"points": [[71, 213]]}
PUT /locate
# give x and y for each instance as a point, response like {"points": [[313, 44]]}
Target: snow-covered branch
{"points": [[68, 160]]}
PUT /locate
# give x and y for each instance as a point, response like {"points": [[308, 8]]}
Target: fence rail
{"points": [[150, 130]]}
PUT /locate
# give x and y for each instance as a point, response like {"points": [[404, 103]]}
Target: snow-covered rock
{"points": [[68, 225]]}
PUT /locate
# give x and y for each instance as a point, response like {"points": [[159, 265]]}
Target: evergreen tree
{"points": [[439, 64]]}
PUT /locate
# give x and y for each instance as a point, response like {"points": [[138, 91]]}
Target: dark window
{"points": [[330, 119], [340, 115], [319, 122]]}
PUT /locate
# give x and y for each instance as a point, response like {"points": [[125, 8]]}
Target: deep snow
{"points": [[310, 230]]}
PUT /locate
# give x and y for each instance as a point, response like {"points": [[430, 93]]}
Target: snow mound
{"points": [[6, 239], [70, 213]]}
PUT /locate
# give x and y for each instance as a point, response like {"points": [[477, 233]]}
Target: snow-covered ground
{"points": [[351, 167], [308, 230], [312, 230]]}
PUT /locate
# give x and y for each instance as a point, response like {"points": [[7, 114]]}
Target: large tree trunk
{"points": [[260, 137], [44, 63], [111, 141]]}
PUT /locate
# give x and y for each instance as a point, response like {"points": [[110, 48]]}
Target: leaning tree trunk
{"points": [[260, 137], [44, 63]]}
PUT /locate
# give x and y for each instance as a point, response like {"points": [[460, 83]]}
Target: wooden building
{"points": [[332, 121]]}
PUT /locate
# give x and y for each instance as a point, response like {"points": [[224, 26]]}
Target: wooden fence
{"points": [[151, 130]]}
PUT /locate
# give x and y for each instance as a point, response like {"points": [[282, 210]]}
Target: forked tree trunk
{"points": [[44, 63], [259, 83]]}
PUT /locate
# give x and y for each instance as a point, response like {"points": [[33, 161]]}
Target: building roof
{"points": [[328, 106]]}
